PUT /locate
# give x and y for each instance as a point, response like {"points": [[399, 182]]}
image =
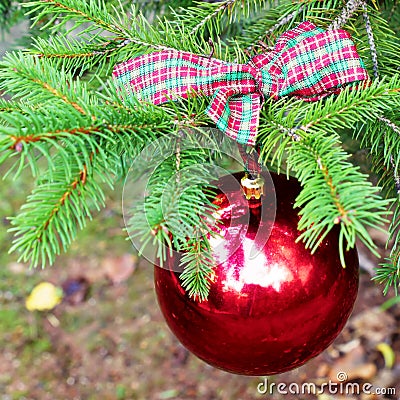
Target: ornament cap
{"points": [[253, 188]]}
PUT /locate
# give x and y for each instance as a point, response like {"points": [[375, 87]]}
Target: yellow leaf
{"points": [[388, 354], [44, 296]]}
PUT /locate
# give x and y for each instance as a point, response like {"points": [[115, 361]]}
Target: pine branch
{"points": [[31, 135], [26, 78], [377, 43], [117, 128], [383, 140], [334, 192], [198, 268], [177, 206], [8, 106], [92, 12], [388, 274], [79, 56], [266, 26], [262, 29], [287, 120], [86, 146], [171, 193], [121, 38], [48, 222], [211, 14], [329, 196]]}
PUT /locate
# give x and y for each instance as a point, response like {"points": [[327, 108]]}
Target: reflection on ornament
{"points": [[257, 271]]}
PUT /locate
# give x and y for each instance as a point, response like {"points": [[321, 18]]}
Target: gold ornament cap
{"points": [[252, 188]]}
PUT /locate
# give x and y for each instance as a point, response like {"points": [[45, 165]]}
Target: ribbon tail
{"points": [[168, 75], [236, 114]]}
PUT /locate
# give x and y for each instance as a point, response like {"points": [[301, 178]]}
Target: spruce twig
{"points": [[371, 41]]}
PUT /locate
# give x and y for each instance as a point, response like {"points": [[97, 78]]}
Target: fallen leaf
{"points": [[17, 268], [119, 269], [44, 296], [388, 354]]}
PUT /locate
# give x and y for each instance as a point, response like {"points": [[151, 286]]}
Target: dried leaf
{"points": [[119, 269]]}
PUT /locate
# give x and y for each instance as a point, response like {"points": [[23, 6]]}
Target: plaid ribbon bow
{"points": [[306, 62]]}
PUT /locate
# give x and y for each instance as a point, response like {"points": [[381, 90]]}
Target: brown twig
{"points": [[225, 5], [333, 191], [80, 179], [17, 140]]}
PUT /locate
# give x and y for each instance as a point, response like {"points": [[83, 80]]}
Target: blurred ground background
{"points": [[108, 340]]}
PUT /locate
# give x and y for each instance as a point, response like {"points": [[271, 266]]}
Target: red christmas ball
{"points": [[272, 304]]}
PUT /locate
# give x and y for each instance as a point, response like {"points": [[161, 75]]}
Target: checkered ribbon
{"points": [[306, 62]]}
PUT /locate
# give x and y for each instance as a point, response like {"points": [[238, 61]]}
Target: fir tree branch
{"points": [[70, 133], [329, 196], [220, 9], [266, 26], [49, 220], [176, 210], [80, 179], [383, 139], [8, 106], [97, 18], [62, 48], [286, 120], [198, 268], [388, 274], [371, 41], [284, 20], [92, 11], [351, 7], [32, 133], [17, 141], [318, 159], [208, 16], [26, 78]]}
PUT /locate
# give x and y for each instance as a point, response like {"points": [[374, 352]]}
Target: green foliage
{"points": [[174, 214], [382, 137], [55, 210], [64, 121], [10, 14], [391, 14], [198, 269], [309, 134]]}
